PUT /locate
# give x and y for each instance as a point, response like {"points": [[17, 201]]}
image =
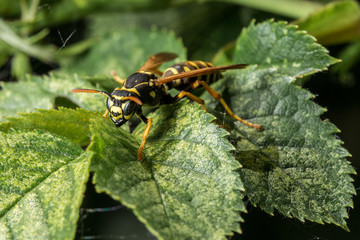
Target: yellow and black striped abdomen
{"points": [[183, 83]]}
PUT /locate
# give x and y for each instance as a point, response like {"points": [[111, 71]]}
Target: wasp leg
{"points": [[192, 96], [106, 113], [145, 135], [117, 78], [217, 96]]}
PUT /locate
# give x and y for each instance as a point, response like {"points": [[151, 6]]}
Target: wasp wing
{"points": [[156, 60], [198, 72]]}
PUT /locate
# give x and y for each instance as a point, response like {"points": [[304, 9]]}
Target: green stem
{"points": [[289, 8], [28, 13]]}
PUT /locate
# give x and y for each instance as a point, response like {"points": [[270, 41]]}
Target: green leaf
{"points": [[296, 165], [42, 184], [41, 91], [335, 23], [186, 187], [289, 8], [74, 125], [125, 51], [282, 47]]}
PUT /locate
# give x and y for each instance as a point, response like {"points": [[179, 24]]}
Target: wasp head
{"points": [[120, 104], [121, 110]]}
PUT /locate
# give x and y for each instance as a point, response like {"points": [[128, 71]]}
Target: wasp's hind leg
{"points": [[217, 96], [190, 95]]}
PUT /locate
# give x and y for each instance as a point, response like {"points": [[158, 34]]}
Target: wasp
{"points": [[144, 88]]}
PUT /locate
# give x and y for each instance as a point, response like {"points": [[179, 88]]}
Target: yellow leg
{"points": [[117, 78], [193, 97], [217, 96], [144, 137], [106, 113]]}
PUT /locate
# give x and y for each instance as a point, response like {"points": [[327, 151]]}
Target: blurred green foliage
{"points": [[24, 34]]}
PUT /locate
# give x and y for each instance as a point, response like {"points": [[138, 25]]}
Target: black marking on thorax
{"points": [[139, 77], [118, 94], [142, 84]]}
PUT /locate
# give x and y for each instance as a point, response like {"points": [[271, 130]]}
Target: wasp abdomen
{"points": [[183, 83]]}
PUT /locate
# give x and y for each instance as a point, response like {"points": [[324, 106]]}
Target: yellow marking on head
{"points": [[151, 83], [116, 97], [186, 69], [118, 110], [133, 90], [152, 94], [115, 109], [193, 64], [116, 118]]}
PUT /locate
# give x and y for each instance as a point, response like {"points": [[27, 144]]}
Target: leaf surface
{"points": [[283, 47], [40, 92], [296, 165], [42, 183], [186, 187], [335, 23], [74, 125]]}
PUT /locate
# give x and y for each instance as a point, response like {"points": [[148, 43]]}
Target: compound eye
{"points": [[129, 107], [109, 103]]}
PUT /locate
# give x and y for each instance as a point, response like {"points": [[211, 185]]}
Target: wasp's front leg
{"points": [[145, 135]]}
